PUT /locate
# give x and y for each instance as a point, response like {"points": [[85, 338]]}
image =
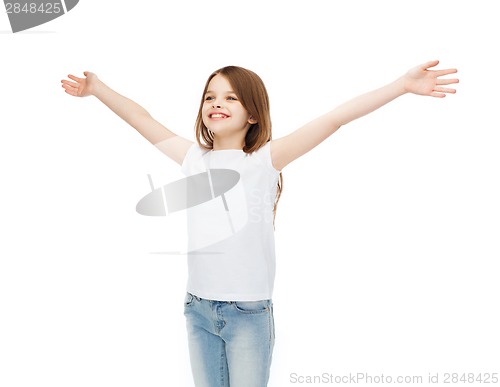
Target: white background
{"points": [[387, 233]]}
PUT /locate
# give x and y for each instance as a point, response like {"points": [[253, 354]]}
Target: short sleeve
{"points": [[192, 153], [265, 154]]}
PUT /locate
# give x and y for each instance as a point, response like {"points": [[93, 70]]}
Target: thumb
{"points": [[430, 64]]}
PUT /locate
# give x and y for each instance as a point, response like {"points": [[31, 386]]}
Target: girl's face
{"points": [[222, 113]]}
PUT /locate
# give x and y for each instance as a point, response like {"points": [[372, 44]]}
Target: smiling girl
{"points": [[228, 305]]}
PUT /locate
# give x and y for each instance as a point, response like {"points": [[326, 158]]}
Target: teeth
{"points": [[218, 115]]}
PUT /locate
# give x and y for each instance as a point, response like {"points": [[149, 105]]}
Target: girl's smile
{"points": [[224, 115], [217, 116]]}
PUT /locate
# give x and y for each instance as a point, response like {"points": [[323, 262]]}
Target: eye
{"points": [[209, 98], [231, 98]]}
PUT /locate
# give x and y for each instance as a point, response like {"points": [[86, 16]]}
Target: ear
{"points": [[252, 120]]}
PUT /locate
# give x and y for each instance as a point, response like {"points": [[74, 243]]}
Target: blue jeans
{"points": [[230, 342]]}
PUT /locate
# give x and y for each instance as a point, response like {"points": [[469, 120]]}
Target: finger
{"points": [[73, 84], [445, 90], [429, 64], [74, 94], [440, 73], [438, 95], [68, 86], [446, 81], [74, 78], [70, 90]]}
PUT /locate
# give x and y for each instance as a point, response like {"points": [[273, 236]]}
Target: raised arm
{"points": [[135, 115], [419, 80]]}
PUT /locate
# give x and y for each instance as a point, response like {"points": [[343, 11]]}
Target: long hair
{"points": [[253, 96]]}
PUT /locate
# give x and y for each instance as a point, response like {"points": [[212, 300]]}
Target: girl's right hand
{"points": [[81, 87]]}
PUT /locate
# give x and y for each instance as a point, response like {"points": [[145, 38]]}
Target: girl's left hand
{"points": [[422, 81]]}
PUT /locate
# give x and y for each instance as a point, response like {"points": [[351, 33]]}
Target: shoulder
{"points": [[194, 155], [265, 154]]}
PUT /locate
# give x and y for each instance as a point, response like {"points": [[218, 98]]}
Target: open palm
{"points": [[81, 87], [420, 80]]}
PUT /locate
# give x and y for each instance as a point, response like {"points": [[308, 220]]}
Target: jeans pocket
{"points": [[252, 306], [188, 300]]}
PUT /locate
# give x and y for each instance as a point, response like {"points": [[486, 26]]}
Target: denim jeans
{"points": [[230, 342]]}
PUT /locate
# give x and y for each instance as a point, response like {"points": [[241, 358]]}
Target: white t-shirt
{"points": [[231, 237]]}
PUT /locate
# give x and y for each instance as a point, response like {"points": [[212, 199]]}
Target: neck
{"points": [[227, 143]]}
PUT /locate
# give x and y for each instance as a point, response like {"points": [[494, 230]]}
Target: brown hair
{"points": [[253, 96]]}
